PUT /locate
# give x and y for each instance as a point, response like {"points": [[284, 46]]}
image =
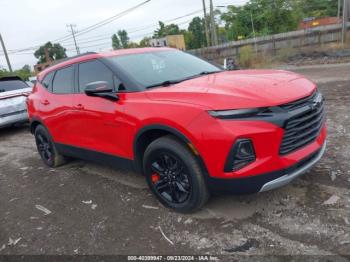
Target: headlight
{"points": [[236, 113]]}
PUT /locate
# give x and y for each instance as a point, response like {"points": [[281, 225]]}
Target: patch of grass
{"points": [[263, 61], [283, 54], [249, 59], [246, 56]]}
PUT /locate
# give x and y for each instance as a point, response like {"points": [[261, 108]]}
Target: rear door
{"points": [[56, 104]]}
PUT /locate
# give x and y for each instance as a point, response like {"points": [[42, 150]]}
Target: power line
{"points": [[102, 23], [151, 33], [105, 43], [138, 29], [109, 43], [87, 29], [137, 36], [133, 37], [106, 21]]}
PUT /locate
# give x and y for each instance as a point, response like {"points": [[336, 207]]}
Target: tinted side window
{"points": [[93, 71], [47, 81], [63, 81]]}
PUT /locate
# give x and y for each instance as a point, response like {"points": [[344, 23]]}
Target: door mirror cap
{"points": [[101, 89], [98, 87]]}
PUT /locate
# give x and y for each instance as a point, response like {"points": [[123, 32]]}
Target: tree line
{"points": [[24, 73], [236, 22]]}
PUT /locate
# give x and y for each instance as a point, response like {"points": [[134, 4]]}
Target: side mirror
{"points": [[100, 89]]}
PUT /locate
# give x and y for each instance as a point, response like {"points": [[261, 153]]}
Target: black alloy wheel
{"points": [[170, 178], [174, 175], [46, 148]]}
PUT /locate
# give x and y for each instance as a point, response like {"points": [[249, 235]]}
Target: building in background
{"points": [[40, 67], [174, 41], [311, 22]]}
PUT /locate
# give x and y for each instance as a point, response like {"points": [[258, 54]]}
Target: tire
{"points": [[174, 175], [46, 148]]}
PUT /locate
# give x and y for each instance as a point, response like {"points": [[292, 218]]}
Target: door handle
{"points": [[45, 102], [79, 107]]}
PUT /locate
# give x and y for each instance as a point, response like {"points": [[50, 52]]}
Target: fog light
{"points": [[241, 154]]}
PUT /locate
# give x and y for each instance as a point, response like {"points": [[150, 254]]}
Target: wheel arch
{"points": [[34, 122], [149, 133]]}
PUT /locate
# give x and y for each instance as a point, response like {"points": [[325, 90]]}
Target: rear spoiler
{"points": [[25, 92], [11, 78], [14, 93]]}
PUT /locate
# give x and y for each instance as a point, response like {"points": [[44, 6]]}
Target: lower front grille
{"points": [[305, 126]]}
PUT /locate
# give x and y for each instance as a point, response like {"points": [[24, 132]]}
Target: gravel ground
{"points": [[85, 208]]}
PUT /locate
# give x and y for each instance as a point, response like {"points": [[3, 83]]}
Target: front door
{"points": [[98, 121]]}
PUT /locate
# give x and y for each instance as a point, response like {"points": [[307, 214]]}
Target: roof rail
{"points": [[70, 58]]}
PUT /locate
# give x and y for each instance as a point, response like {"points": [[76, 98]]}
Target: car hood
{"points": [[237, 89]]}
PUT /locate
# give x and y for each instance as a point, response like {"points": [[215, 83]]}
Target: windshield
{"points": [[162, 67], [12, 85]]}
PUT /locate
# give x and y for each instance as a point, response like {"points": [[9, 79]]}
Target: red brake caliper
{"points": [[155, 178]]}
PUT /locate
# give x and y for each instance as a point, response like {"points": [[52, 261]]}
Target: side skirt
{"points": [[94, 156]]}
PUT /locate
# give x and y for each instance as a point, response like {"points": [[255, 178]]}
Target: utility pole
{"points": [[206, 23], [346, 15], [339, 7], [5, 53], [255, 45], [214, 36], [71, 30]]}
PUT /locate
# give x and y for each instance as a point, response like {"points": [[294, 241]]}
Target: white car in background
{"points": [[13, 94], [32, 80]]}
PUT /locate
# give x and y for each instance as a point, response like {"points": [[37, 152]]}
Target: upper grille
{"points": [[300, 103], [305, 126]]}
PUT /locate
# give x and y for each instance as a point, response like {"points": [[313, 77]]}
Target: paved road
{"points": [[92, 209]]}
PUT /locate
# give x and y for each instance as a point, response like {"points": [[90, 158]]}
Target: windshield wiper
{"points": [[172, 82], [208, 72], [203, 73], [165, 83]]}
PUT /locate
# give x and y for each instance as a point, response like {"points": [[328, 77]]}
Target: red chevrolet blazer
{"points": [[189, 126]]}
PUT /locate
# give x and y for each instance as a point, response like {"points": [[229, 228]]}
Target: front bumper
{"points": [[291, 174], [268, 181]]}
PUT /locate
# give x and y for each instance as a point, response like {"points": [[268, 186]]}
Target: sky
{"points": [[29, 23]]}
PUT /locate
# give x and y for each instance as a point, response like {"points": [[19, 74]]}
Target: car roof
{"points": [[92, 55]]}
